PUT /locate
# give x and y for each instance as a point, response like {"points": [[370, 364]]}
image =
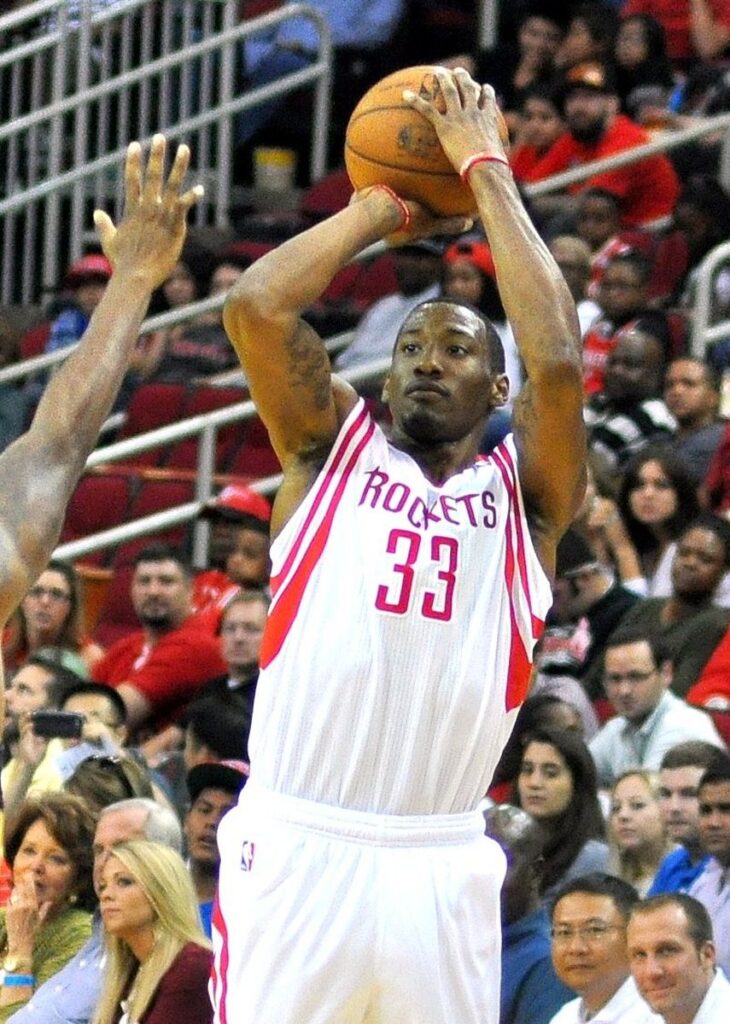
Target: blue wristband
{"points": [[19, 979]]}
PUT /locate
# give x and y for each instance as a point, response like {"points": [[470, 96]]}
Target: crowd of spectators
{"points": [[612, 799]]}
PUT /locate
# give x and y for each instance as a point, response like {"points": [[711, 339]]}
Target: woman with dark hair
{"points": [[591, 36], [657, 500], [51, 616], [48, 917], [540, 710], [558, 786], [644, 75]]}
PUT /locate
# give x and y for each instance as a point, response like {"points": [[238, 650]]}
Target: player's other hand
{"points": [[148, 240], [422, 222]]}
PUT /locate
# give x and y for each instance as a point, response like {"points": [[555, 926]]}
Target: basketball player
{"points": [[39, 471], [410, 581]]}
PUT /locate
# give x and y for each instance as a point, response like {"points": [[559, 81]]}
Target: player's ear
{"points": [[385, 394], [500, 390]]}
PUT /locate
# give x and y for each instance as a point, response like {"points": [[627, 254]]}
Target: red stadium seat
{"points": [[117, 617], [326, 196], [33, 342], [98, 503], [206, 398], [255, 458], [156, 496], [153, 405]]}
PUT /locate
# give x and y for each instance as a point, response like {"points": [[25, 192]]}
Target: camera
{"points": [[57, 724]]}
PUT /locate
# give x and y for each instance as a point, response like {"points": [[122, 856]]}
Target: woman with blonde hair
{"points": [[158, 959], [637, 839]]}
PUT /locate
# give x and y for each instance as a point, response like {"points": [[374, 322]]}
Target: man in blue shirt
{"points": [[681, 769]]}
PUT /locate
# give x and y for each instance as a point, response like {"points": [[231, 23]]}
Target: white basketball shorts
{"points": [[328, 916]]}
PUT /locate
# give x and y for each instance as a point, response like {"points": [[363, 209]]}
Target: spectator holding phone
{"points": [[30, 759], [48, 916]]}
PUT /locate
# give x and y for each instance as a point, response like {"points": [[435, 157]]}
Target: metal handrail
{"points": [[206, 425], [703, 333], [318, 69], [664, 142]]}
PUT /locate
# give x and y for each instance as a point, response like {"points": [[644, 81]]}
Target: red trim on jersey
{"points": [[518, 671], [509, 474], [283, 612], [218, 977], [335, 458]]}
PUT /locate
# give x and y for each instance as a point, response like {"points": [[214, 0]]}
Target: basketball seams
{"points": [[448, 175]]}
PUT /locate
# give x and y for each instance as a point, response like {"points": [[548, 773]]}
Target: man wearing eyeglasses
{"points": [[588, 932], [649, 719]]}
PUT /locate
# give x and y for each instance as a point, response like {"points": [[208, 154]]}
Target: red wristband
{"points": [[479, 158], [406, 213]]}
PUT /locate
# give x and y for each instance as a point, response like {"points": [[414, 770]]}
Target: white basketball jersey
{"points": [[400, 634]]}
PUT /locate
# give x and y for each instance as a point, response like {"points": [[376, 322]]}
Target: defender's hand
{"points": [[148, 241]]}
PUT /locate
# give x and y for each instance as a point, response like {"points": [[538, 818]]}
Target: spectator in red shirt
{"points": [[694, 28], [158, 669], [238, 549], [646, 189]]}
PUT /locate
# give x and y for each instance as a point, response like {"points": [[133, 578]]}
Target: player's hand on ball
{"points": [[467, 121], [422, 222]]}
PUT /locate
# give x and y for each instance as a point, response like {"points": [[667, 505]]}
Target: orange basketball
{"points": [[389, 143]]}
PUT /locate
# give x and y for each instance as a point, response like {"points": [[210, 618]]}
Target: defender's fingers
{"points": [[155, 167], [132, 175], [177, 172], [105, 229], [191, 197]]}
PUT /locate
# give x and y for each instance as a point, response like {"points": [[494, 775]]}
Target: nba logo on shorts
{"points": [[247, 852]]}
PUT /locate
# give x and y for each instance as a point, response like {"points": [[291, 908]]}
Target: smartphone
{"points": [[57, 724]]}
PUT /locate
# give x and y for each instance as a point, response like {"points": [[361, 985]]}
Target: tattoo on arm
{"points": [[309, 366]]}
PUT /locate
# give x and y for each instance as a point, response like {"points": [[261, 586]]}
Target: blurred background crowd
{"points": [[132, 670]]}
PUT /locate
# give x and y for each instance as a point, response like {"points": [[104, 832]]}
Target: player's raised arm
{"points": [[548, 419], [285, 362], [39, 471]]}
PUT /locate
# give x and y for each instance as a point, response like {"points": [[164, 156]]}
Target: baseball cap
{"points": [[574, 554], [588, 75], [227, 775], [88, 268], [237, 502], [477, 253]]}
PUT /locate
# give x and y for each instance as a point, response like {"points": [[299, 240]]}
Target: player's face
{"points": [[441, 388], [671, 973]]}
